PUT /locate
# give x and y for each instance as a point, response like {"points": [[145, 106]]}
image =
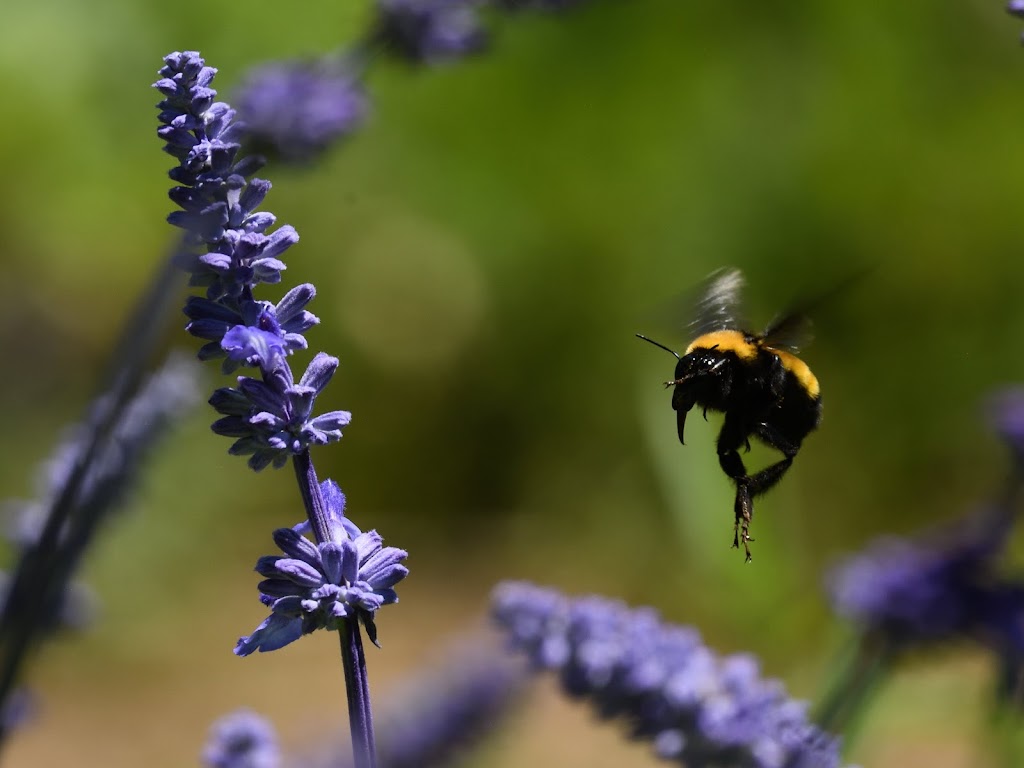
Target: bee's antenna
{"points": [[652, 341]]}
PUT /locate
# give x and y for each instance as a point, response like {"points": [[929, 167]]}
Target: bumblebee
{"points": [[756, 380]]}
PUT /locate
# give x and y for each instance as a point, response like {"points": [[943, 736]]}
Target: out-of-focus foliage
{"points": [[484, 251]]}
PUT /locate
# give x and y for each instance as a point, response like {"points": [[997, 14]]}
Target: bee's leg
{"points": [[730, 439], [743, 509], [769, 476]]}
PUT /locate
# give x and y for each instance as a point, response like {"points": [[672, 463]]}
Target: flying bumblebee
{"points": [[756, 380]]}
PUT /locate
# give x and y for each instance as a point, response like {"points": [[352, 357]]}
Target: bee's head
{"points": [[698, 374], [700, 363], [698, 377]]}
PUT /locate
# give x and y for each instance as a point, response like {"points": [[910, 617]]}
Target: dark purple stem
{"points": [[360, 717], [309, 486], [44, 568]]}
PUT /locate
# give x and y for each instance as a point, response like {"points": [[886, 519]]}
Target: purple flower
{"points": [[257, 334], [317, 586], [80, 488], [339, 581], [296, 110], [217, 199], [218, 202], [242, 739], [115, 465], [429, 31], [910, 592], [696, 707], [940, 584], [273, 420]]}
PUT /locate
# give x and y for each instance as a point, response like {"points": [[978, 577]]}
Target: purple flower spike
{"points": [[229, 253], [228, 248], [696, 708], [430, 31], [940, 584], [296, 110], [932, 588], [242, 739], [317, 586]]}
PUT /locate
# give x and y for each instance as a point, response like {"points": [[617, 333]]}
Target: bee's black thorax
{"points": [[732, 372]]}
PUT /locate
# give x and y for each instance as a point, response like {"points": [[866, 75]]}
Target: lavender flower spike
{"points": [[296, 110], [697, 708], [334, 584], [271, 417], [318, 586], [218, 202], [242, 739], [937, 585], [429, 31], [53, 533]]}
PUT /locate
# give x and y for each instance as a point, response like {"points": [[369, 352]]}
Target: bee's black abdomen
{"points": [[797, 413]]}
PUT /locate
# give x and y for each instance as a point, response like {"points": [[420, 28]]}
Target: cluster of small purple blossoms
{"points": [[112, 473], [930, 588], [429, 31], [316, 586], [696, 707], [942, 584], [242, 739], [296, 110], [339, 580], [229, 253], [80, 488]]}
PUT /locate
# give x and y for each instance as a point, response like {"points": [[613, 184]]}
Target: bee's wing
{"points": [[794, 329], [789, 331], [719, 306]]}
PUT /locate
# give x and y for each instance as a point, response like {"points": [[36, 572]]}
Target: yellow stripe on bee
{"points": [[726, 341], [799, 369]]}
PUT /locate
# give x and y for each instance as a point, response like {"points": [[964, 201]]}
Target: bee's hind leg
{"points": [[730, 439]]}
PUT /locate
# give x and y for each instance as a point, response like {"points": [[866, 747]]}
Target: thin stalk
{"points": [[313, 500], [33, 588], [360, 716], [862, 676]]}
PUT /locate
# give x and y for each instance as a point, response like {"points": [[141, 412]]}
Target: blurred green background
{"points": [[484, 251]]}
